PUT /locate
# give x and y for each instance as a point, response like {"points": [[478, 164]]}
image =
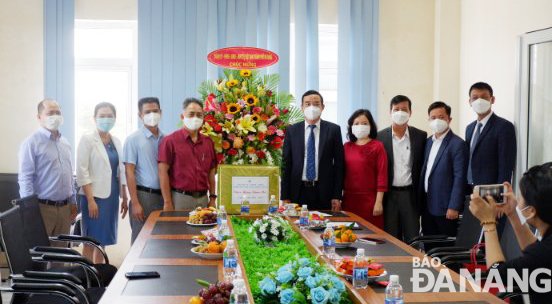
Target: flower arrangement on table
{"points": [[269, 229], [303, 281], [246, 117]]}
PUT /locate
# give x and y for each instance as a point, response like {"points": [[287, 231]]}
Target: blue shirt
{"points": [[141, 149], [46, 168]]}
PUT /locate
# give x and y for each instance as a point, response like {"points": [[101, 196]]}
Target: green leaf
{"points": [[203, 283]]}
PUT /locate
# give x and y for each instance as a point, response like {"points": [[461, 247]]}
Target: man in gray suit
{"points": [[405, 147]]}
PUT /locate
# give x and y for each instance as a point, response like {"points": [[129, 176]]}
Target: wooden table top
{"points": [[116, 293]]}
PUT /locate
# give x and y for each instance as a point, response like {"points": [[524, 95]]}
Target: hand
{"points": [[124, 207], [510, 202], [137, 212], [483, 210], [336, 205], [74, 212], [378, 209], [93, 211], [452, 214], [168, 206], [212, 202]]}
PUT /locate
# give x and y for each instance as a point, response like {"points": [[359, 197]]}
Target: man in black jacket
{"points": [[405, 146], [313, 160]]}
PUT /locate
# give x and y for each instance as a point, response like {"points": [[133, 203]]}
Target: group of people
{"points": [[390, 178]]}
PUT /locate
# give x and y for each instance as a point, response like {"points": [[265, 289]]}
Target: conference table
{"points": [[164, 246]]}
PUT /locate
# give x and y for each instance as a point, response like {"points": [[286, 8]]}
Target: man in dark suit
{"points": [[443, 174], [492, 143], [405, 147], [313, 160]]}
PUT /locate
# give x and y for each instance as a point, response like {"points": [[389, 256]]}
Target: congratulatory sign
{"points": [[239, 57]]}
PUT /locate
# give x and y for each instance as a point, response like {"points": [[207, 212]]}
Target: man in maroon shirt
{"points": [[187, 163]]}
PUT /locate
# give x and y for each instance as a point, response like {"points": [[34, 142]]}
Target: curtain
{"points": [[59, 65], [358, 58], [306, 47], [175, 36]]}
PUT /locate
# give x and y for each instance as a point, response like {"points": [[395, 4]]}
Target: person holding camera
{"points": [[533, 207]]}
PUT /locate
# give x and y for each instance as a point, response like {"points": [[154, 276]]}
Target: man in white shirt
{"points": [[405, 146], [443, 173]]}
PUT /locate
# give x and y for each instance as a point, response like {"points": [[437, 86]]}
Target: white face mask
{"points": [[438, 125], [360, 131], [193, 123], [152, 119], [522, 217], [53, 122], [481, 106], [400, 117], [312, 112]]}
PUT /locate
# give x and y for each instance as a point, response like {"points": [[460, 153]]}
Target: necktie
{"points": [[311, 154], [472, 147]]}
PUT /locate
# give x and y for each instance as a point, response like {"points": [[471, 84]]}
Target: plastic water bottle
{"points": [[245, 208], [230, 261], [360, 270], [394, 291], [223, 230], [239, 292], [328, 241], [304, 218], [273, 206], [221, 215]]}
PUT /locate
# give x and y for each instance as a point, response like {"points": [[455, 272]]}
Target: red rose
{"points": [[286, 111], [261, 136], [277, 143], [220, 158], [260, 154], [232, 152], [223, 108], [218, 128]]}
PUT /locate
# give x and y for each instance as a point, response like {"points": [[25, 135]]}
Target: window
{"points": [[105, 70], [327, 68]]}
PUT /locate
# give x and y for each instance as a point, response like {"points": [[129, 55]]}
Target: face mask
{"points": [[360, 131], [400, 117], [438, 125], [522, 217], [312, 112], [53, 122], [105, 124], [193, 123], [481, 106], [152, 119]]}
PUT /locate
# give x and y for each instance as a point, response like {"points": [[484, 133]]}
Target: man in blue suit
{"points": [[491, 141], [443, 175]]}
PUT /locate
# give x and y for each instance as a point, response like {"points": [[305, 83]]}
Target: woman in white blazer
{"points": [[101, 176]]}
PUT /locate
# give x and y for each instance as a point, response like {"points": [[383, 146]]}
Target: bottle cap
{"points": [[360, 251], [272, 196], [304, 206], [394, 278], [222, 208], [229, 242]]}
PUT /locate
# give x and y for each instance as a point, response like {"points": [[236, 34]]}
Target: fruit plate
{"points": [[343, 244], [201, 225], [207, 256], [196, 242], [370, 278]]}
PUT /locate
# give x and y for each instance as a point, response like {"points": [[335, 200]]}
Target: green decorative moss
{"points": [[260, 260]]}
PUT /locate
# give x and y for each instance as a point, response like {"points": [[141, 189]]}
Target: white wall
{"points": [[22, 81], [490, 33]]}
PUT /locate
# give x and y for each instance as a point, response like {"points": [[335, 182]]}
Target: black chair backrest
{"points": [[469, 230], [509, 243], [17, 251], [9, 190], [33, 225]]}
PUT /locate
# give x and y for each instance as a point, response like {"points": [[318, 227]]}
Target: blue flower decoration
{"points": [[319, 295], [304, 272], [267, 286], [338, 284], [287, 267], [304, 262], [311, 282], [286, 296], [335, 296], [284, 276]]}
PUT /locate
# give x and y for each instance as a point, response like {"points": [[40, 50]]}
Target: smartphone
{"points": [[496, 191], [372, 241], [142, 275]]}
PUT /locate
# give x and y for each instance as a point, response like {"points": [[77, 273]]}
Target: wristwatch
{"points": [[213, 196]]}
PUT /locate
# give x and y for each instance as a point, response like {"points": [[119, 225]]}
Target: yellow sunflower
{"points": [[250, 100], [256, 118], [233, 108], [232, 83], [245, 73]]}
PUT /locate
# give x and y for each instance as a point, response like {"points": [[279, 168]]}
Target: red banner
{"points": [[239, 57]]}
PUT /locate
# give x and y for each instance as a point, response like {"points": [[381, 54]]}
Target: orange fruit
{"points": [[353, 238], [223, 245], [213, 247], [344, 238], [196, 300]]}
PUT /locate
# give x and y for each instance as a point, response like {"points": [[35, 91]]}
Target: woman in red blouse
{"points": [[365, 169]]}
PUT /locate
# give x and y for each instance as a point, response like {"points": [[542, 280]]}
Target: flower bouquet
{"points": [[303, 281], [246, 117], [270, 229]]}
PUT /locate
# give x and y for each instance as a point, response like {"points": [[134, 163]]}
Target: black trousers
{"points": [[310, 195], [432, 224], [401, 215]]}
